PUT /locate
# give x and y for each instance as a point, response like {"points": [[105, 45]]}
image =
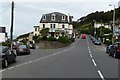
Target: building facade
{"points": [[3, 34], [59, 24], [119, 4]]}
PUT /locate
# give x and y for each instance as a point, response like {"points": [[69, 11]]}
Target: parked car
{"points": [[93, 39], [97, 42], [6, 56], [108, 49], [114, 50], [31, 44], [23, 49], [83, 36]]}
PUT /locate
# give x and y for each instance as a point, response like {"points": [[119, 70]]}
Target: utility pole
{"points": [[11, 29], [113, 23], [101, 29]]}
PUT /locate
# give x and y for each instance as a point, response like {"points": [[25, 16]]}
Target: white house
{"points": [[58, 23], [28, 36], [3, 33], [98, 25]]}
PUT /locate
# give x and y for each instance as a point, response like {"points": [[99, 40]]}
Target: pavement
{"points": [[82, 59]]}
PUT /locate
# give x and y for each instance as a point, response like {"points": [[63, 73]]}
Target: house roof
{"points": [[58, 18], [24, 35]]}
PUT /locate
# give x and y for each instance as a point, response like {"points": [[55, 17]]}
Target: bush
{"points": [[51, 38], [5, 44], [63, 39], [44, 38], [108, 42]]}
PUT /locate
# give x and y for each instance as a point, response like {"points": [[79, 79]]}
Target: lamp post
{"points": [[101, 29], [94, 28], [113, 22]]}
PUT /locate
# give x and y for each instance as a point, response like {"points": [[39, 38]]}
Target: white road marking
{"points": [[37, 59], [94, 62], [11, 67], [101, 76], [88, 47], [3, 70], [18, 65], [89, 51], [91, 55]]}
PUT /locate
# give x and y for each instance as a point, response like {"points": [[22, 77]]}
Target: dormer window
{"points": [[63, 17], [53, 17], [44, 17]]}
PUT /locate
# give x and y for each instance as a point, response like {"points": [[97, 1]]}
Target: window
{"points": [[44, 17], [53, 17], [63, 17], [53, 25], [35, 29], [63, 26], [43, 25]]}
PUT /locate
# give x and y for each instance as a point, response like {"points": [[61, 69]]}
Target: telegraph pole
{"points": [[11, 29]]}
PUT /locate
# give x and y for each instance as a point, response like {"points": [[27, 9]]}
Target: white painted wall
{"points": [[58, 26], [2, 37]]}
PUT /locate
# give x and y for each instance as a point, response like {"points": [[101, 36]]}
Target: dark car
{"points": [[114, 50], [6, 56], [97, 42], [22, 49], [32, 46], [110, 49]]}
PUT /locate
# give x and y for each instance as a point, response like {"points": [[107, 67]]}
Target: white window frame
{"points": [[63, 17], [44, 17], [53, 15]]}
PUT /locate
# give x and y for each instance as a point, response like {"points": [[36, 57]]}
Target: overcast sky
{"points": [[27, 14]]}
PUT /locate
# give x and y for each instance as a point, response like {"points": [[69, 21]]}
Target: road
{"points": [[82, 59]]}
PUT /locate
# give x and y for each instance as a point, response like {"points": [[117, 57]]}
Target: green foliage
{"points": [[44, 38], [76, 25], [98, 16], [5, 44], [44, 32], [63, 39], [35, 38], [24, 41], [85, 31], [108, 42], [106, 30], [51, 38]]}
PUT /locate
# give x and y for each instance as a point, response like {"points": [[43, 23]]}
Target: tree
{"points": [[44, 33]]}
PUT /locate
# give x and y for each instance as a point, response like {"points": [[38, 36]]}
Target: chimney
{"points": [[68, 17]]}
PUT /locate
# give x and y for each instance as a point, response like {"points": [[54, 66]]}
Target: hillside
{"points": [[105, 17]]}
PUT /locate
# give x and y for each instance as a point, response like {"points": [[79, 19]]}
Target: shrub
{"points": [[51, 38], [108, 42], [44, 38], [63, 39], [5, 44]]}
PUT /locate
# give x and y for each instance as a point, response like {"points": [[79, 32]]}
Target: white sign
{"points": [[2, 37]]}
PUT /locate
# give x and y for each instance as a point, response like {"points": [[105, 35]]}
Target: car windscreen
{"points": [[22, 46], [3, 49]]}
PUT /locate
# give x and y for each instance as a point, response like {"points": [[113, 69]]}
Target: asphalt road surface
{"points": [[82, 59]]}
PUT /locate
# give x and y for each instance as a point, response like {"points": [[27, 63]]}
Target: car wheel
{"points": [[110, 54], [5, 63], [14, 60]]}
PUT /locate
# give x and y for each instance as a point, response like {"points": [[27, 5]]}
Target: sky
{"points": [[27, 13]]}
